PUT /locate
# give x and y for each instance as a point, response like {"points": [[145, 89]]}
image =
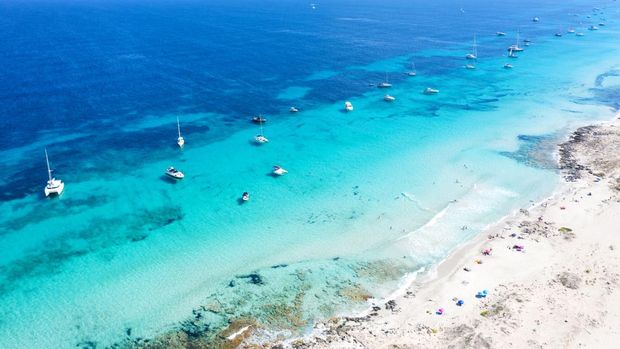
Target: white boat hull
{"points": [[56, 188]]}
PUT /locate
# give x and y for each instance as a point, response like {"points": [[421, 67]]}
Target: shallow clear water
{"points": [[370, 195]]}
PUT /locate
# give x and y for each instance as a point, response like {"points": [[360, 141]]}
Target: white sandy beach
{"points": [[560, 291]]}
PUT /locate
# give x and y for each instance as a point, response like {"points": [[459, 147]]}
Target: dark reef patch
{"points": [[254, 278], [535, 151]]}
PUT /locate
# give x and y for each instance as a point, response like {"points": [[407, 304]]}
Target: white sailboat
{"points": [[516, 47], [385, 84], [412, 72], [180, 140], [474, 53], [54, 186], [260, 138]]}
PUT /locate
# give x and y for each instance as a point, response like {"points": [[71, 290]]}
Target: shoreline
{"points": [[383, 321]]}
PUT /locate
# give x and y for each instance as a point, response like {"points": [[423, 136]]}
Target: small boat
{"points": [[474, 53], [507, 66], [180, 140], [174, 173], [54, 186], [571, 31], [470, 66], [412, 72], [601, 24], [501, 34], [245, 196], [535, 19], [279, 171], [385, 84], [579, 34], [348, 106], [260, 138], [259, 120], [293, 110], [558, 34], [593, 27], [430, 91], [516, 47], [389, 98], [511, 54]]}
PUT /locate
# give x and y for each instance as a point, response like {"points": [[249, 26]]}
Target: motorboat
{"points": [[260, 139], [430, 91], [593, 27], [293, 110], [579, 34], [348, 106], [470, 66], [535, 19], [54, 186], [571, 31], [501, 34], [558, 34], [259, 120], [279, 171], [174, 173], [389, 98], [245, 196], [507, 66]]}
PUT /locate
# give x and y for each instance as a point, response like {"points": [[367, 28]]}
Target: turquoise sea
{"points": [[372, 196]]}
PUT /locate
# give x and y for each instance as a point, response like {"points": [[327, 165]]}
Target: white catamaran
{"points": [[54, 186]]}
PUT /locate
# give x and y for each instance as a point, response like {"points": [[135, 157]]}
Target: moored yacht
{"points": [[259, 119], [348, 106], [430, 91], [174, 173], [511, 54], [412, 72], [180, 139], [54, 186], [279, 171], [260, 138], [507, 66], [389, 98], [386, 83]]}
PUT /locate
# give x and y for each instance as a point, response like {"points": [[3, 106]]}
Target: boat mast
{"points": [[47, 161]]}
